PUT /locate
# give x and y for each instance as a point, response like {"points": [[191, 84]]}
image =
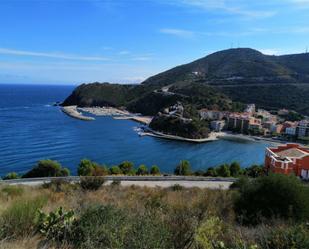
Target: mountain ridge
{"points": [[239, 65]]}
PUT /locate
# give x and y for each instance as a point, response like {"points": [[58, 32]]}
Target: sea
{"points": [[32, 129]]}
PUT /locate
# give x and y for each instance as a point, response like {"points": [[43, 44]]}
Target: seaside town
{"points": [[260, 122]]}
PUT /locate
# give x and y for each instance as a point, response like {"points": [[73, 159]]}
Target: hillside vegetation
{"points": [[253, 215], [218, 81]]}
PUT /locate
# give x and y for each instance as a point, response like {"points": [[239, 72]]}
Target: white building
{"points": [[290, 131], [217, 125]]}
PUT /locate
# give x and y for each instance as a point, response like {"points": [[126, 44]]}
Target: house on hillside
{"points": [[288, 159]]}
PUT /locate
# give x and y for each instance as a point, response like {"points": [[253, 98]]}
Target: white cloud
{"points": [[64, 56], [177, 32]]}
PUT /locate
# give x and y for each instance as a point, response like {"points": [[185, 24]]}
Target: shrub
{"points": [[211, 172], [235, 169], [89, 168], [254, 171], [183, 168], [224, 170], [147, 231], [126, 167], [11, 176], [115, 170], [100, 227], [240, 183], [142, 170], [56, 226], [209, 233], [19, 219], [47, 168], [273, 196], [154, 170], [283, 237], [91, 183]]}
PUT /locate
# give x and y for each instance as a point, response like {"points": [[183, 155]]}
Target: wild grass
{"points": [[134, 217]]}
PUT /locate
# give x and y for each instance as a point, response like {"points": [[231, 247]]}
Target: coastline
{"points": [[213, 136], [118, 114], [74, 113]]}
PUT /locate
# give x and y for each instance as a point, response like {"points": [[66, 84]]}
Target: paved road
{"points": [[149, 181]]}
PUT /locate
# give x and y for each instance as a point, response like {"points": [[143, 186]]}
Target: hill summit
{"points": [[240, 65]]}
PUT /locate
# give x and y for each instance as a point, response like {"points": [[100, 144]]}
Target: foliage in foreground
{"points": [[171, 218], [276, 195]]}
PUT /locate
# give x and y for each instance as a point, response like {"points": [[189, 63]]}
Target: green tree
{"points": [[154, 170], [224, 170], [11, 176], [115, 170], [86, 167], [254, 171], [142, 170], [126, 167], [235, 169], [276, 195], [183, 168], [47, 168], [211, 171]]}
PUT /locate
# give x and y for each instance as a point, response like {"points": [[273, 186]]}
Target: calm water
{"points": [[31, 129]]}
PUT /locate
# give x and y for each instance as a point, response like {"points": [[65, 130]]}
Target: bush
{"points": [[56, 226], [47, 168], [283, 237], [115, 170], [271, 196], [211, 172], [208, 234], [142, 170], [240, 183], [89, 168], [19, 219], [100, 227], [154, 170], [224, 171], [11, 176], [235, 169], [254, 171], [183, 168], [147, 231], [126, 167], [91, 183]]}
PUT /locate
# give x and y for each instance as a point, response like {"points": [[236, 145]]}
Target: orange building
{"points": [[288, 159]]}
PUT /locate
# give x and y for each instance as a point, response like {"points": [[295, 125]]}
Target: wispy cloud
{"points": [[177, 32], [300, 3], [64, 56], [239, 8], [124, 52]]}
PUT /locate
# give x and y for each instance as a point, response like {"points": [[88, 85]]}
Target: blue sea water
{"points": [[32, 129]]}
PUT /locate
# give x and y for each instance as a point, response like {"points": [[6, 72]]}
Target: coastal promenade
{"points": [[147, 181]]}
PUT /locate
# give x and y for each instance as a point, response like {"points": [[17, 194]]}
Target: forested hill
{"points": [[236, 66]]}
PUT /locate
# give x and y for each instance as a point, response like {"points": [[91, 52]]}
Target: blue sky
{"points": [[126, 41]]}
